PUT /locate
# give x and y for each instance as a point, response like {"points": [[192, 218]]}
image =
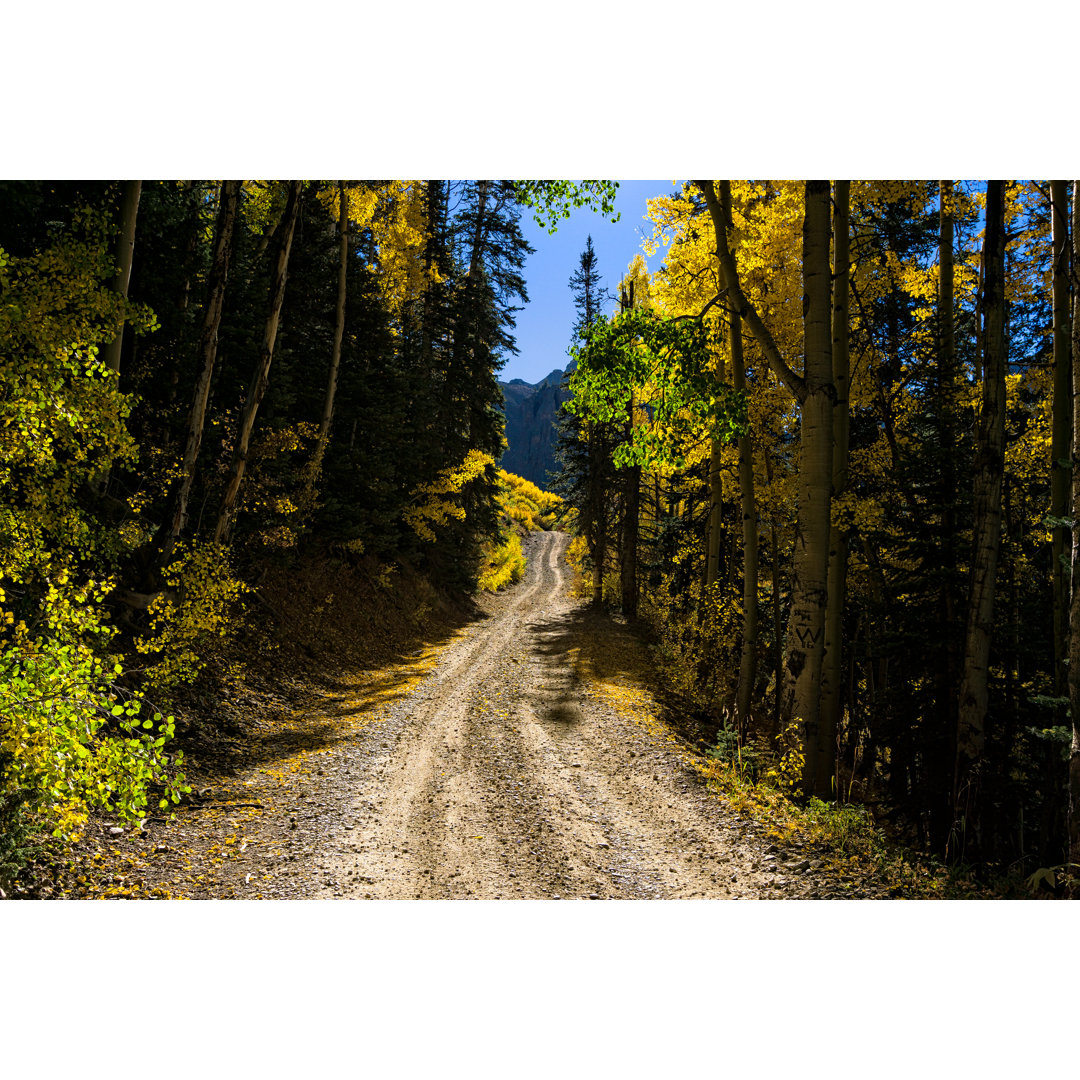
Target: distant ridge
{"points": [[531, 411]]}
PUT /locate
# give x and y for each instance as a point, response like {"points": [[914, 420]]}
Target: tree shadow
{"points": [[606, 649]]}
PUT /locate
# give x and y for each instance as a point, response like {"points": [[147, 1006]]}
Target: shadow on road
{"points": [[605, 650]]}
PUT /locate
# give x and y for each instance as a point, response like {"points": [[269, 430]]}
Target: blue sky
{"points": [[544, 325]]}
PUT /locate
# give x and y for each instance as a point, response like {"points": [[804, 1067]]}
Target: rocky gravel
{"points": [[501, 776]]}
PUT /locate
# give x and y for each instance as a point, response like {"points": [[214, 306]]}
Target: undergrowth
{"points": [[761, 783], [504, 564]]}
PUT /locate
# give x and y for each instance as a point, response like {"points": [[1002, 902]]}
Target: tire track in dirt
{"points": [[508, 781], [520, 758]]}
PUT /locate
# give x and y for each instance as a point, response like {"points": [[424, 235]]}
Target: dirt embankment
{"points": [[494, 764]]}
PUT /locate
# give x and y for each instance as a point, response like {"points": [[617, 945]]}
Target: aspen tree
{"points": [[805, 639], [628, 584], [261, 375], [1074, 610], [339, 332], [832, 669], [748, 507], [125, 251], [942, 755], [1062, 421], [989, 470], [224, 231]]}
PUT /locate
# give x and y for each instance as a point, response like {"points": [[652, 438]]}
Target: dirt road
{"points": [[501, 776], [521, 757]]}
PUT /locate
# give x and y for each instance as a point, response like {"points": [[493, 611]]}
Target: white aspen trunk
{"points": [[1061, 428], [832, 673], [339, 333], [257, 389], [805, 638], [748, 503], [124, 254], [1074, 610], [228, 207]]}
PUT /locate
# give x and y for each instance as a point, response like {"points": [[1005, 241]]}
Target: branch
{"points": [[743, 308]]}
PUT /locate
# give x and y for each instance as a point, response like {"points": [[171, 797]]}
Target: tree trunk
{"points": [[805, 639], [224, 231], [339, 334], [716, 495], [260, 378], [597, 539], [748, 506], [434, 201], [631, 507], [124, 252], [748, 503], [941, 753], [778, 651], [1061, 430], [1074, 611], [989, 470], [832, 673]]}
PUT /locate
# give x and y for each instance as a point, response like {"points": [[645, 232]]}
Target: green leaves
{"points": [[552, 200], [664, 367], [67, 745]]}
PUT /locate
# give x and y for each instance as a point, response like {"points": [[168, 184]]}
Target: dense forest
{"points": [[825, 454], [821, 459], [199, 377]]}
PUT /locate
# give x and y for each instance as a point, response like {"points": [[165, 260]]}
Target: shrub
{"points": [[504, 564]]}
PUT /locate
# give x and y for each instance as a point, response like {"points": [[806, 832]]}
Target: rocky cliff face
{"points": [[531, 410]]}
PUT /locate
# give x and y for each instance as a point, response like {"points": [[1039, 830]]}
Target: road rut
{"points": [[501, 776]]}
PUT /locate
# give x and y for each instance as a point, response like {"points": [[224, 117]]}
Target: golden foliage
{"points": [[434, 503], [504, 564], [199, 609], [526, 505]]}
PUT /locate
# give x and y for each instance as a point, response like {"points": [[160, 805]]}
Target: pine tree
{"points": [[587, 473]]}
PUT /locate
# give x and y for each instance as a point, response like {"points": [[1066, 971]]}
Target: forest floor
{"points": [[519, 756]]}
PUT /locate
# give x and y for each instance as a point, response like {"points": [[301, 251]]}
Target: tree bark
{"points": [[260, 378], [716, 496], [124, 253], [628, 579], [339, 333], [941, 754], [805, 639], [778, 651], [597, 537], [832, 673], [989, 471], [1074, 611], [748, 507], [750, 546], [1061, 428], [224, 231]]}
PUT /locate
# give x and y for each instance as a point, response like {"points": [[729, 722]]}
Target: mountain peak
{"points": [[531, 411]]}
